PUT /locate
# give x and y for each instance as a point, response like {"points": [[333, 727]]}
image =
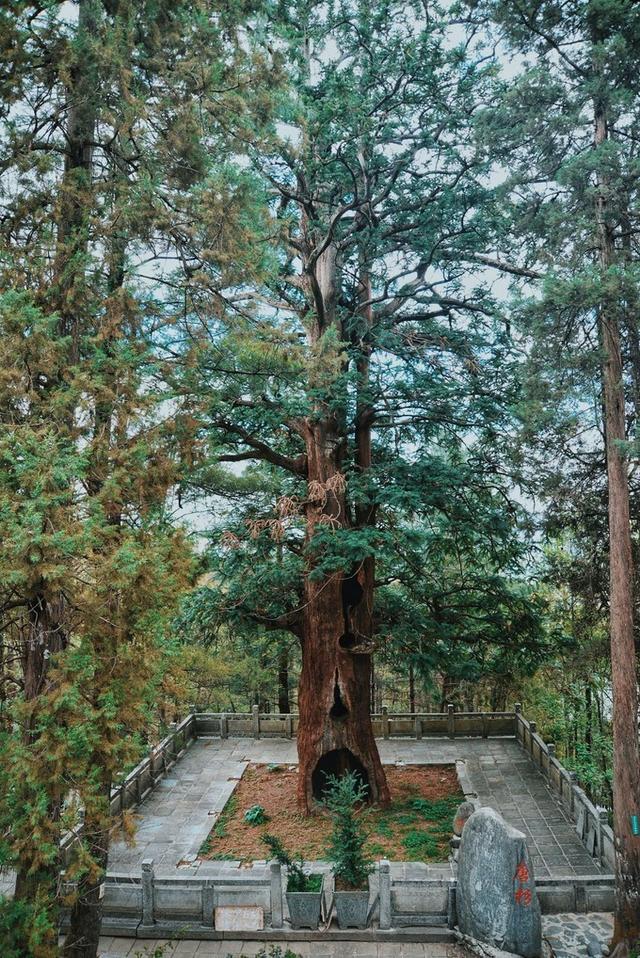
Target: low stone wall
{"points": [[449, 724], [150, 905], [591, 822]]}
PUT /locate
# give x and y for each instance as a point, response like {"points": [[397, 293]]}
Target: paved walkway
{"points": [[178, 815], [118, 947]]}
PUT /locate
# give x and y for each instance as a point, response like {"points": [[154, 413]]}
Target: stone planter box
{"points": [[352, 908], [305, 908]]}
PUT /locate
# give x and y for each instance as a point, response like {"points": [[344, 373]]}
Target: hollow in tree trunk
{"points": [[335, 734]]}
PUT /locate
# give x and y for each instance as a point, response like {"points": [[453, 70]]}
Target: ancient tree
{"points": [[349, 362]]}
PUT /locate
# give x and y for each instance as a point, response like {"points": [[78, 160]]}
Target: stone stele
{"points": [[462, 816], [496, 895]]}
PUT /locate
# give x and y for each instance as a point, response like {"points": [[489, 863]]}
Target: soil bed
{"points": [[417, 826]]}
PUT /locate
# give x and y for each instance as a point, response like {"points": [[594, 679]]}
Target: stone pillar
{"points": [[224, 726], [384, 872], [385, 722], [288, 725], [207, 904], [603, 819], [276, 895], [147, 891], [255, 718], [485, 725], [418, 727], [452, 914], [451, 721]]}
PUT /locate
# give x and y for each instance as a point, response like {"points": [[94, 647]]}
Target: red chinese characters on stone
{"points": [[522, 895]]}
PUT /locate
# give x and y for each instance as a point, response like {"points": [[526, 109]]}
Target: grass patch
{"points": [[219, 831], [416, 827]]}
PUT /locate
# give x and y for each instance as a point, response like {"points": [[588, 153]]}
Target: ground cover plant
{"points": [[415, 827]]}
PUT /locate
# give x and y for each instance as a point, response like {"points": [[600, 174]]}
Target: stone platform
{"points": [[178, 815]]}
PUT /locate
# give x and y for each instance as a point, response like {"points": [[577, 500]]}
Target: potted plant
{"points": [[304, 891], [351, 867]]}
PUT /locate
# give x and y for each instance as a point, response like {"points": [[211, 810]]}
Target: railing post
{"points": [[517, 708], [418, 726], [276, 895], [288, 725], [224, 726], [255, 716], [451, 721], [385, 894], [207, 904], [573, 781], [452, 911], [385, 722], [485, 725], [603, 819], [147, 891]]}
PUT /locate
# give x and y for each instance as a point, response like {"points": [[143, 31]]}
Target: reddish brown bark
{"points": [[334, 683], [335, 732], [626, 755]]}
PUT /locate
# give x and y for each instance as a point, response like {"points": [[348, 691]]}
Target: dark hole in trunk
{"points": [[337, 762], [352, 593], [347, 641], [338, 710]]}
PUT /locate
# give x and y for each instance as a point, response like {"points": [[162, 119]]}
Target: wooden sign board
{"points": [[239, 918]]}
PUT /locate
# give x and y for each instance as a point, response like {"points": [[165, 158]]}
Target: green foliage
{"points": [[219, 829], [274, 951], [351, 866], [297, 879], [256, 815], [23, 928]]}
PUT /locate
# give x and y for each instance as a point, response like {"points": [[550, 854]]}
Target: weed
{"points": [[256, 815]]}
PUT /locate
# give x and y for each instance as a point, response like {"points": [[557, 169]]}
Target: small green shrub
{"points": [[256, 815], [297, 878], [348, 838]]}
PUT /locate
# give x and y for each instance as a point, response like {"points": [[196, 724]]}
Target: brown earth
{"points": [[416, 827]]}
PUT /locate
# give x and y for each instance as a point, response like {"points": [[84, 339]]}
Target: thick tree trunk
{"points": [[335, 734], [85, 920], [284, 705], [412, 690], [626, 756]]}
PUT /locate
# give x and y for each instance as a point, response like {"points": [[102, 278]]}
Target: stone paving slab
{"points": [[130, 947], [177, 817]]}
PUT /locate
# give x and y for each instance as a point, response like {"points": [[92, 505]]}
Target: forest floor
{"points": [[417, 826]]}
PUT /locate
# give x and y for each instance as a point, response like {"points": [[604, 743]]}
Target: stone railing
{"points": [[142, 779], [591, 822], [256, 724], [151, 905]]}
